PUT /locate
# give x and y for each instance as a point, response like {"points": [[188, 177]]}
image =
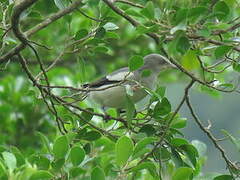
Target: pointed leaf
{"points": [[148, 10], [221, 9], [182, 173], [221, 51], [41, 175], [77, 155], [97, 174], [45, 141], [124, 149], [224, 177], [146, 165], [81, 33], [135, 62], [190, 60], [60, 147], [92, 135], [110, 26], [130, 109], [143, 143], [10, 160], [162, 108]]}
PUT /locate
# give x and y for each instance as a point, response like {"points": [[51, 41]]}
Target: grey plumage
{"points": [[116, 96]]}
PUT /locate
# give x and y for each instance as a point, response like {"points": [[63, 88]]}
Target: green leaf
{"points": [[204, 32], [111, 35], [61, 4], [148, 10], [93, 3], [146, 165], [162, 108], [180, 27], [148, 129], [87, 148], [135, 63], [236, 66], [60, 147], [200, 146], [3, 170], [176, 158], [45, 141], [100, 32], [40, 161], [226, 85], [196, 12], [124, 149], [101, 49], [180, 16], [179, 123], [130, 109], [41, 175], [143, 29], [143, 143], [191, 153], [161, 91], [221, 51], [10, 160], [178, 141], [76, 171], [190, 60], [133, 12], [221, 9], [19, 156], [97, 174], [86, 116], [92, 136], [110, 26], [82, 70], [163, 154], [182, 173], [209, 91], [58, 164], [219, 26], [81, 34], [77, 155], [235, 141], [182, 44], [224, 177]]}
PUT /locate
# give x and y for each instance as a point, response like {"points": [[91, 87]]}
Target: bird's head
{"points": [[156, 62]]}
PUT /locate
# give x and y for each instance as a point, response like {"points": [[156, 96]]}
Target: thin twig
{"points": [[129, 19], [40, 26], [211, 137], [129, 3], [169, 123]]}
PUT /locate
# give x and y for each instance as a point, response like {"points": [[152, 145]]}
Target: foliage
{"points": [[50, 131]]}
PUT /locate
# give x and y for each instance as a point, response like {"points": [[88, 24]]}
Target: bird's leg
{"points": [[121, 112], [106, 116]]}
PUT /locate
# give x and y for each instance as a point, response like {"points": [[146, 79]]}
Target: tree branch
{"points": [[40, 26], [211, 137], [129, 18]]}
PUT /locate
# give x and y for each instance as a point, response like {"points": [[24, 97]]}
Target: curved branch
{"points": [[40, 26], [129, 18], [229, 163], [17, 11]]}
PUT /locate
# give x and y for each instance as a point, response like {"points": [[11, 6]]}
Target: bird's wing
{"points": [[114, 77], [120, 74]]}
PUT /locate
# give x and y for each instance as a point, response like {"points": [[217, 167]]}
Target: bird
{"points": [[111, 90]]}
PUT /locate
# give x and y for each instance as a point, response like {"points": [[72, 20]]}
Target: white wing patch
{"points": [[120, 76]]}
